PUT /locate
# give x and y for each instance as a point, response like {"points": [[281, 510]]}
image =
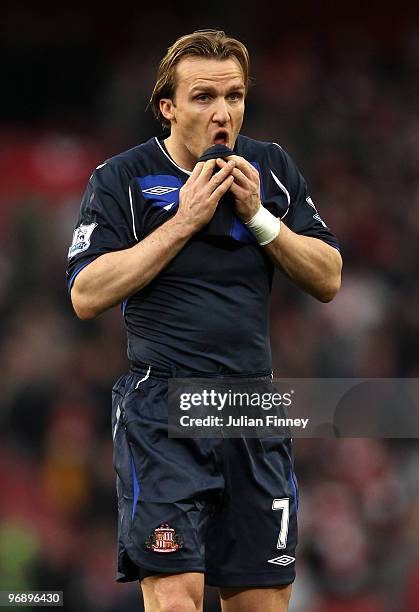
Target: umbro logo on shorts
{"points": [[160, 190], [282, 560]]}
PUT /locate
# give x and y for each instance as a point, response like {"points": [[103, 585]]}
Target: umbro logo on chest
{"points": [[160, 190]]}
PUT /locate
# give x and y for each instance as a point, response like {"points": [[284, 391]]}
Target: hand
{"points": [[245, 188], [199, 197]]}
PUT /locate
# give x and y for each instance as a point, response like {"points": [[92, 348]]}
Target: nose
{"points": [[221, 114]]}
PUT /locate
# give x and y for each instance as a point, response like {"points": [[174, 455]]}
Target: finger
{"points": [[240, 178], [196, 171], [207, 170], [220, 176], [221, 162], [238, 192], [245, 166], [218, 193]]}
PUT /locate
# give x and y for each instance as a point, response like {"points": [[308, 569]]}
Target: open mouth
{"points": [[221, 137]]}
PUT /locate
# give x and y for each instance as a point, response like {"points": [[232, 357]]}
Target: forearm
{"points": [[112, 277], [309, 262]]}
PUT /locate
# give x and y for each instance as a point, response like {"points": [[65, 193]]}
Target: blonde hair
{"points": [[202, 43]]}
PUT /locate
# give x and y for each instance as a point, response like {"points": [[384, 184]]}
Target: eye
{"points": [[202, 97], [235, 96]]}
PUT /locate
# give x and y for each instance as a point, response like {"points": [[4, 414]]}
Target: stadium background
{"points": [[338, 88]]}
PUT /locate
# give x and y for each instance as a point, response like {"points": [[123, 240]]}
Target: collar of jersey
{"points": [[170, 159]]}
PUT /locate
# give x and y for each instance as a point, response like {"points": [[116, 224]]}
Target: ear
{"points": [[167, 109]]}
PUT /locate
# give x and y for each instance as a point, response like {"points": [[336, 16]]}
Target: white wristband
{"points": [[264, 225]]}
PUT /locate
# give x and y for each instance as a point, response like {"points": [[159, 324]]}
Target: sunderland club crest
{"points": [[164, 539]]}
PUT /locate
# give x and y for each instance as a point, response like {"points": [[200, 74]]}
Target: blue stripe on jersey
{"points": [[240, 232], [76, 271], [136, 488], [161, 189], [294, 486], [124, 306]]}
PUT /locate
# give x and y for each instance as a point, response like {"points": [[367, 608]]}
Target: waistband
{"points": [[151, 371]]}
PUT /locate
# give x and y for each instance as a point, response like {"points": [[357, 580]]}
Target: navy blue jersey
{"points": [[208, 310]]}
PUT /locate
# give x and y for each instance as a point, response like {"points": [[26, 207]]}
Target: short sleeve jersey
{"points": [[207, 311]]}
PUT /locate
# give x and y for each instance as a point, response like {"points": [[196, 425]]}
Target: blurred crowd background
{"points": [[336, 87]]}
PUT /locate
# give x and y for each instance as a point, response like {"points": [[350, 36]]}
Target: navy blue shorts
{"points": [[224, 507]]}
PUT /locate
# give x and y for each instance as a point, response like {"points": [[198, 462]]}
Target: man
{"points": [[188, 248]]}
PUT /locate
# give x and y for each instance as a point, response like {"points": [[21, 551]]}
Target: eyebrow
{"points": [[211, 88]]}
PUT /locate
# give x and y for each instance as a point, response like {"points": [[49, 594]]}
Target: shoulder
{"points": [[270, 152], [271, 159], [124, 166]]}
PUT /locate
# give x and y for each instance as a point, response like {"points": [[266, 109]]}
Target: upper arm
{"points": [[82, 303], [105, 222], [302, 216]]}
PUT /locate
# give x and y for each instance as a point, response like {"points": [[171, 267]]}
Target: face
{"points": [[207, 108]]}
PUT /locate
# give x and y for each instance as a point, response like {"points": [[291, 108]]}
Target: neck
{"points": [[179, 153]]}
